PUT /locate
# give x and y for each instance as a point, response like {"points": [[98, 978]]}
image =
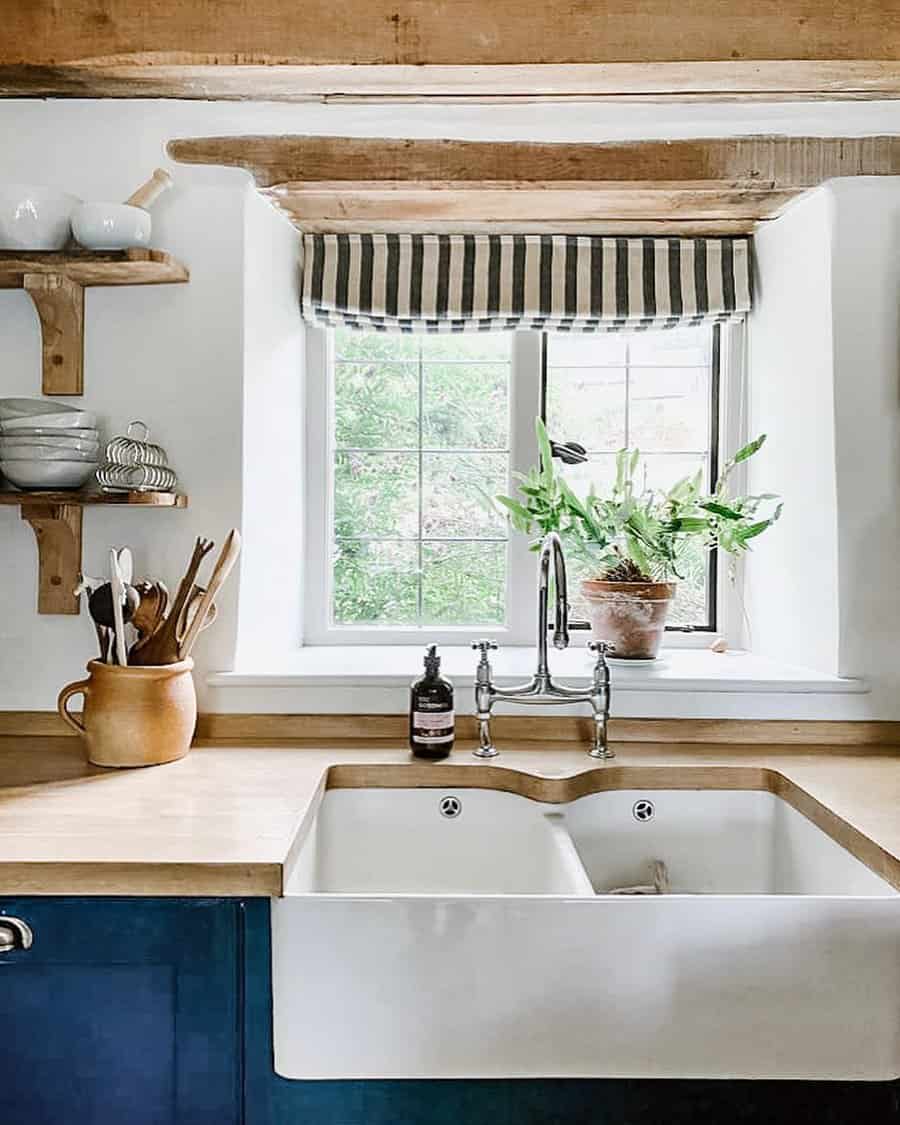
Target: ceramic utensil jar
{"points": [[134, 716]]}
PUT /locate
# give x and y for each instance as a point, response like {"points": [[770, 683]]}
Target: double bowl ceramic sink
{"points": [[469, 932]]}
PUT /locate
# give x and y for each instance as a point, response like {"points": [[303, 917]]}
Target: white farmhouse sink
{"points": [[410, 944]]}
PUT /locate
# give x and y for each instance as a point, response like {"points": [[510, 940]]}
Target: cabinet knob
{"points": [[14, 934]]}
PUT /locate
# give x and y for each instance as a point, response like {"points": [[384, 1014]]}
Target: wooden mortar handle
{"points": [[148, 193], [79, 688]]}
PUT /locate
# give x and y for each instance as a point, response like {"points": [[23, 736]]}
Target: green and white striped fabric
{"points": [[486, 282]]}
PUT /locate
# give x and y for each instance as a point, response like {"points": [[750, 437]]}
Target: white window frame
{"points": [[521, 600]]}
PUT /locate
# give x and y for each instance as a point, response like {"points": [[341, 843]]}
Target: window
{"points": [[409, 436]]}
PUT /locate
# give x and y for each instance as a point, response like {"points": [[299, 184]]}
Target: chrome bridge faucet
{"points": [[541, 688]]}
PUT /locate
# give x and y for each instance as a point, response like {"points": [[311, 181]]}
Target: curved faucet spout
{"points": [[552, 547]]}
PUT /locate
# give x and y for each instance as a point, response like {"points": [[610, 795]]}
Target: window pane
{"points": [[457, 488], [376, 494], [574, 349], [466, 405], [375, 583], [376, 405], [587, 405], [464, 583], [367, 346], [669, 408], [671, 347]]}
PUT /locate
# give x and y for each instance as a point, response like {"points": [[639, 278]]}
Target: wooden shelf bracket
{"points": [[60, 307], [57, 529], [55, 281]]}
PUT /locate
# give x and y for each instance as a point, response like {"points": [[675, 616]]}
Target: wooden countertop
{"points": [[222, 821]]}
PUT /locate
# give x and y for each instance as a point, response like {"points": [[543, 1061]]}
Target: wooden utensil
{"points": [[161, 647], [148, 193], [190, 612], [151, 610], [118, 598], [226, 560]]}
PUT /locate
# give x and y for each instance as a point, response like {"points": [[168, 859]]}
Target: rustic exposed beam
{"points": [[326, 183], [281, 48]]}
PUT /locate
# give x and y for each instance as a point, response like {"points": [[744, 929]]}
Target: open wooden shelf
{"points": [[55, 281], [56, 518]]}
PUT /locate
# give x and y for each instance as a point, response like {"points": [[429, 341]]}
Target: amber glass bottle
{"points": [[431, 719]]}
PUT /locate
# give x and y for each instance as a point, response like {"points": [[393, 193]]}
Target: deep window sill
{"points": [[691, 683]]}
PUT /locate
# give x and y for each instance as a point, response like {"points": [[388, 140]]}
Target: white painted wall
{"points": [[197, 361], [825, 383], [866, 310], [270, 612], [791, 577]]}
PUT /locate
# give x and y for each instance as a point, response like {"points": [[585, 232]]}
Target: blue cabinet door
{"points": [[123, 1012]]}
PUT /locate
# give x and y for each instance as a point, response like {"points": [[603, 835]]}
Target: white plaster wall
{"points": [[270, 612], [791, 575], [178, 355], [866, 303]]}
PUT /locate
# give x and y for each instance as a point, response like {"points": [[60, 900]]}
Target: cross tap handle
{"points": [[484, 646]]}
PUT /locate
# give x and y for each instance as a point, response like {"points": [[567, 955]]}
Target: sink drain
{"points": [[450, 807], [643, 810]]}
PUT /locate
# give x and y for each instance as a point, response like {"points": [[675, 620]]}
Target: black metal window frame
{"points": [[712, 586]]}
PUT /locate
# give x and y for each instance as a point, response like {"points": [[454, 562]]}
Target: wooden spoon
{"points": [[149, 614]]}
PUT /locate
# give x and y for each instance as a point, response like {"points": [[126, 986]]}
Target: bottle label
{"points": [[433, 727]]}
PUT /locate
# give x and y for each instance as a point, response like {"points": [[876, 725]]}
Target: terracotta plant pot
{"points": [[134, 716], [630, 615]]}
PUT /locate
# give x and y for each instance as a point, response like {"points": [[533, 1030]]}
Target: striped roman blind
{"points": [[487, 282]]}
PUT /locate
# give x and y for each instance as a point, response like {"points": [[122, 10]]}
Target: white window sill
{"points": [[692, 683]]}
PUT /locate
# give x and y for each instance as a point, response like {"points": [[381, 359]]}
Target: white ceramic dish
{"points": [[111, 226], [83, 433], [47, 474], [45, 453], [11, 408], [10, 442], [67, 420], [34, 217]]}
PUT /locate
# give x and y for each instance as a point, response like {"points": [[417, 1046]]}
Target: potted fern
{"points": [[635, 539]]}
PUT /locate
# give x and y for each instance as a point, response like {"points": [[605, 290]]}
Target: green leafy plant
{"points": [[638, 533]]}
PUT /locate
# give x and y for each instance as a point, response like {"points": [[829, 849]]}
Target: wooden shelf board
{"points": [[89, 267], [81, 497]]}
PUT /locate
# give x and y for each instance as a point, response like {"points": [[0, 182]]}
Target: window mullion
{"points": [[525, 405]]}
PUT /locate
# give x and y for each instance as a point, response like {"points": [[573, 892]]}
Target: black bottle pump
{"points": [[431, 719]]}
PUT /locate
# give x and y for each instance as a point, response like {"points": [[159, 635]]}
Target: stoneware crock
{"points": [[134, 716]]}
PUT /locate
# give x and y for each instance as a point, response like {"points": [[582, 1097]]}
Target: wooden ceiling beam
{"points": [[341, 183], [426, 48]]}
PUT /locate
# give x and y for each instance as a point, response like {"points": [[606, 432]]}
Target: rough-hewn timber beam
{"points": [[340, 183], [282, 48]]}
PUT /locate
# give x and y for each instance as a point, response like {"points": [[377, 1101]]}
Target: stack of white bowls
{"points": [[47, 445]]}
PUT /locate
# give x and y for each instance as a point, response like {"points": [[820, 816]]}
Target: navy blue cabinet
{"points": [[123, 1011]]}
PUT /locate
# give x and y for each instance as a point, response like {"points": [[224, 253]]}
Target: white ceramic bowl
{"points": [[48, 474], [34, 217], [45, 453], [81, 433], [31, 407], [70, 420], [111, 226], [76, 445]]}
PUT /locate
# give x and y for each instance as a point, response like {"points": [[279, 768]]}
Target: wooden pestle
{"points": [[148, 193]]}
